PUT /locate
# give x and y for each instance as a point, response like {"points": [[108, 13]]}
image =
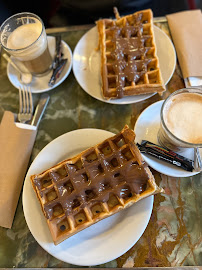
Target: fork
{"points": [[25, 104]]}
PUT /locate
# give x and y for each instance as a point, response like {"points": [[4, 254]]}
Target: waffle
{"points": [[129, 64], [93, 185]]}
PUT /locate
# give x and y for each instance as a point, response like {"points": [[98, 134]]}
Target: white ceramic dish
{"points": [[39, 84], [103, 241], [86, 64], [146, 128]]}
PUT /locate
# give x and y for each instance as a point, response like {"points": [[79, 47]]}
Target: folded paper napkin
{"points": [[185, 28], [16, 143]]}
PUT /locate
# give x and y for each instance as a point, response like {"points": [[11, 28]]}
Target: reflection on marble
{"points": [[173, 236]]}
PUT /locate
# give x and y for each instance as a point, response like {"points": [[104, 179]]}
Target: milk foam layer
{"points": [[183, 117], [25, 35]]}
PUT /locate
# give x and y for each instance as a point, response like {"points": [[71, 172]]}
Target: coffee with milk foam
{"points": [[29, 43], [23, 36], [183, 117]]}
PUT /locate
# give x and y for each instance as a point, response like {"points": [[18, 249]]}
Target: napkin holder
{"points": [[16, 143]]}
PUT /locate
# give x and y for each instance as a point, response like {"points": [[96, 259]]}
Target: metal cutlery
{"points": [[58, 51], [197, 160], [40, 108], [58, 62], [25, 77], [57, 71], [25, 104]]}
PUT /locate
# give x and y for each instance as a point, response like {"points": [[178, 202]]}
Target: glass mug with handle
{"points": [[181, 120], [23, 36]]}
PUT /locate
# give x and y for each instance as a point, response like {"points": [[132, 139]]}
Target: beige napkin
{"points": [[16, 143], [186, 32]]}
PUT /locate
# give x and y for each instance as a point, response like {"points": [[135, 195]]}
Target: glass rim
{"points": [[21, 14], [188, 90]]}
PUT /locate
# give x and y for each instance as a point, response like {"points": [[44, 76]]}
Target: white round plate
{"points": [[103, 241], [146, 128], [86, 64], [39, 84]]}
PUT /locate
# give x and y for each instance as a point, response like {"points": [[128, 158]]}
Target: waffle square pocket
{"points": [[97, 183]]}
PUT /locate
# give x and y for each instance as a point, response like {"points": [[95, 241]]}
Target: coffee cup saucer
{"points": [[146, 128], [39, 84]]}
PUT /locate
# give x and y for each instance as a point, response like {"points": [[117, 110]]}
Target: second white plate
{"points": [[103, 241], [86, 64]]}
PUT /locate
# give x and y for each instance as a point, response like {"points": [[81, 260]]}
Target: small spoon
{"points": [[25, 77], [197, 160]]}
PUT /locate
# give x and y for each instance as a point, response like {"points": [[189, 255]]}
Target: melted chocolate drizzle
{"points": [[95, 181], [128, 48]]}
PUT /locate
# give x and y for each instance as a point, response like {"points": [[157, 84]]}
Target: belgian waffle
{"points": [[129, 64], [93, 185]]}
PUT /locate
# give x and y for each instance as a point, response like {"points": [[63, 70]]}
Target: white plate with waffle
{"points": [[101, 242], [86, 64], [146, 128], [39, 84]]}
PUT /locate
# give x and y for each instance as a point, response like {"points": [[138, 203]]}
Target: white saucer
{"points": [[101, 242], [39, 84], [146, 128], [86, 64]]}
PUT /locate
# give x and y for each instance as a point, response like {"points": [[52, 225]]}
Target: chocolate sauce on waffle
{"points": [[93, 179], [132, 179], [128, 48]]}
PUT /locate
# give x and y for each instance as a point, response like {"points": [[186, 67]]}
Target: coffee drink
{"points": [[183, 117], [181, 120], [40, 64], [27, 42]]}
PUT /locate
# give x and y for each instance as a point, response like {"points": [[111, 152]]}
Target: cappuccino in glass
{"points": [[23, 36], [181, 120]]}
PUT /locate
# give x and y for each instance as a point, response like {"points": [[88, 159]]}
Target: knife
{"points": [[41, 106]]}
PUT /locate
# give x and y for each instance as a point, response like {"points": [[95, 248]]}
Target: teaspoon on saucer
{"points": [[197, 160], [25, 77]]}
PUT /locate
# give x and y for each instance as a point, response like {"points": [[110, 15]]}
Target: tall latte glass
{"points": [[23, 36], [181, 120]]}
